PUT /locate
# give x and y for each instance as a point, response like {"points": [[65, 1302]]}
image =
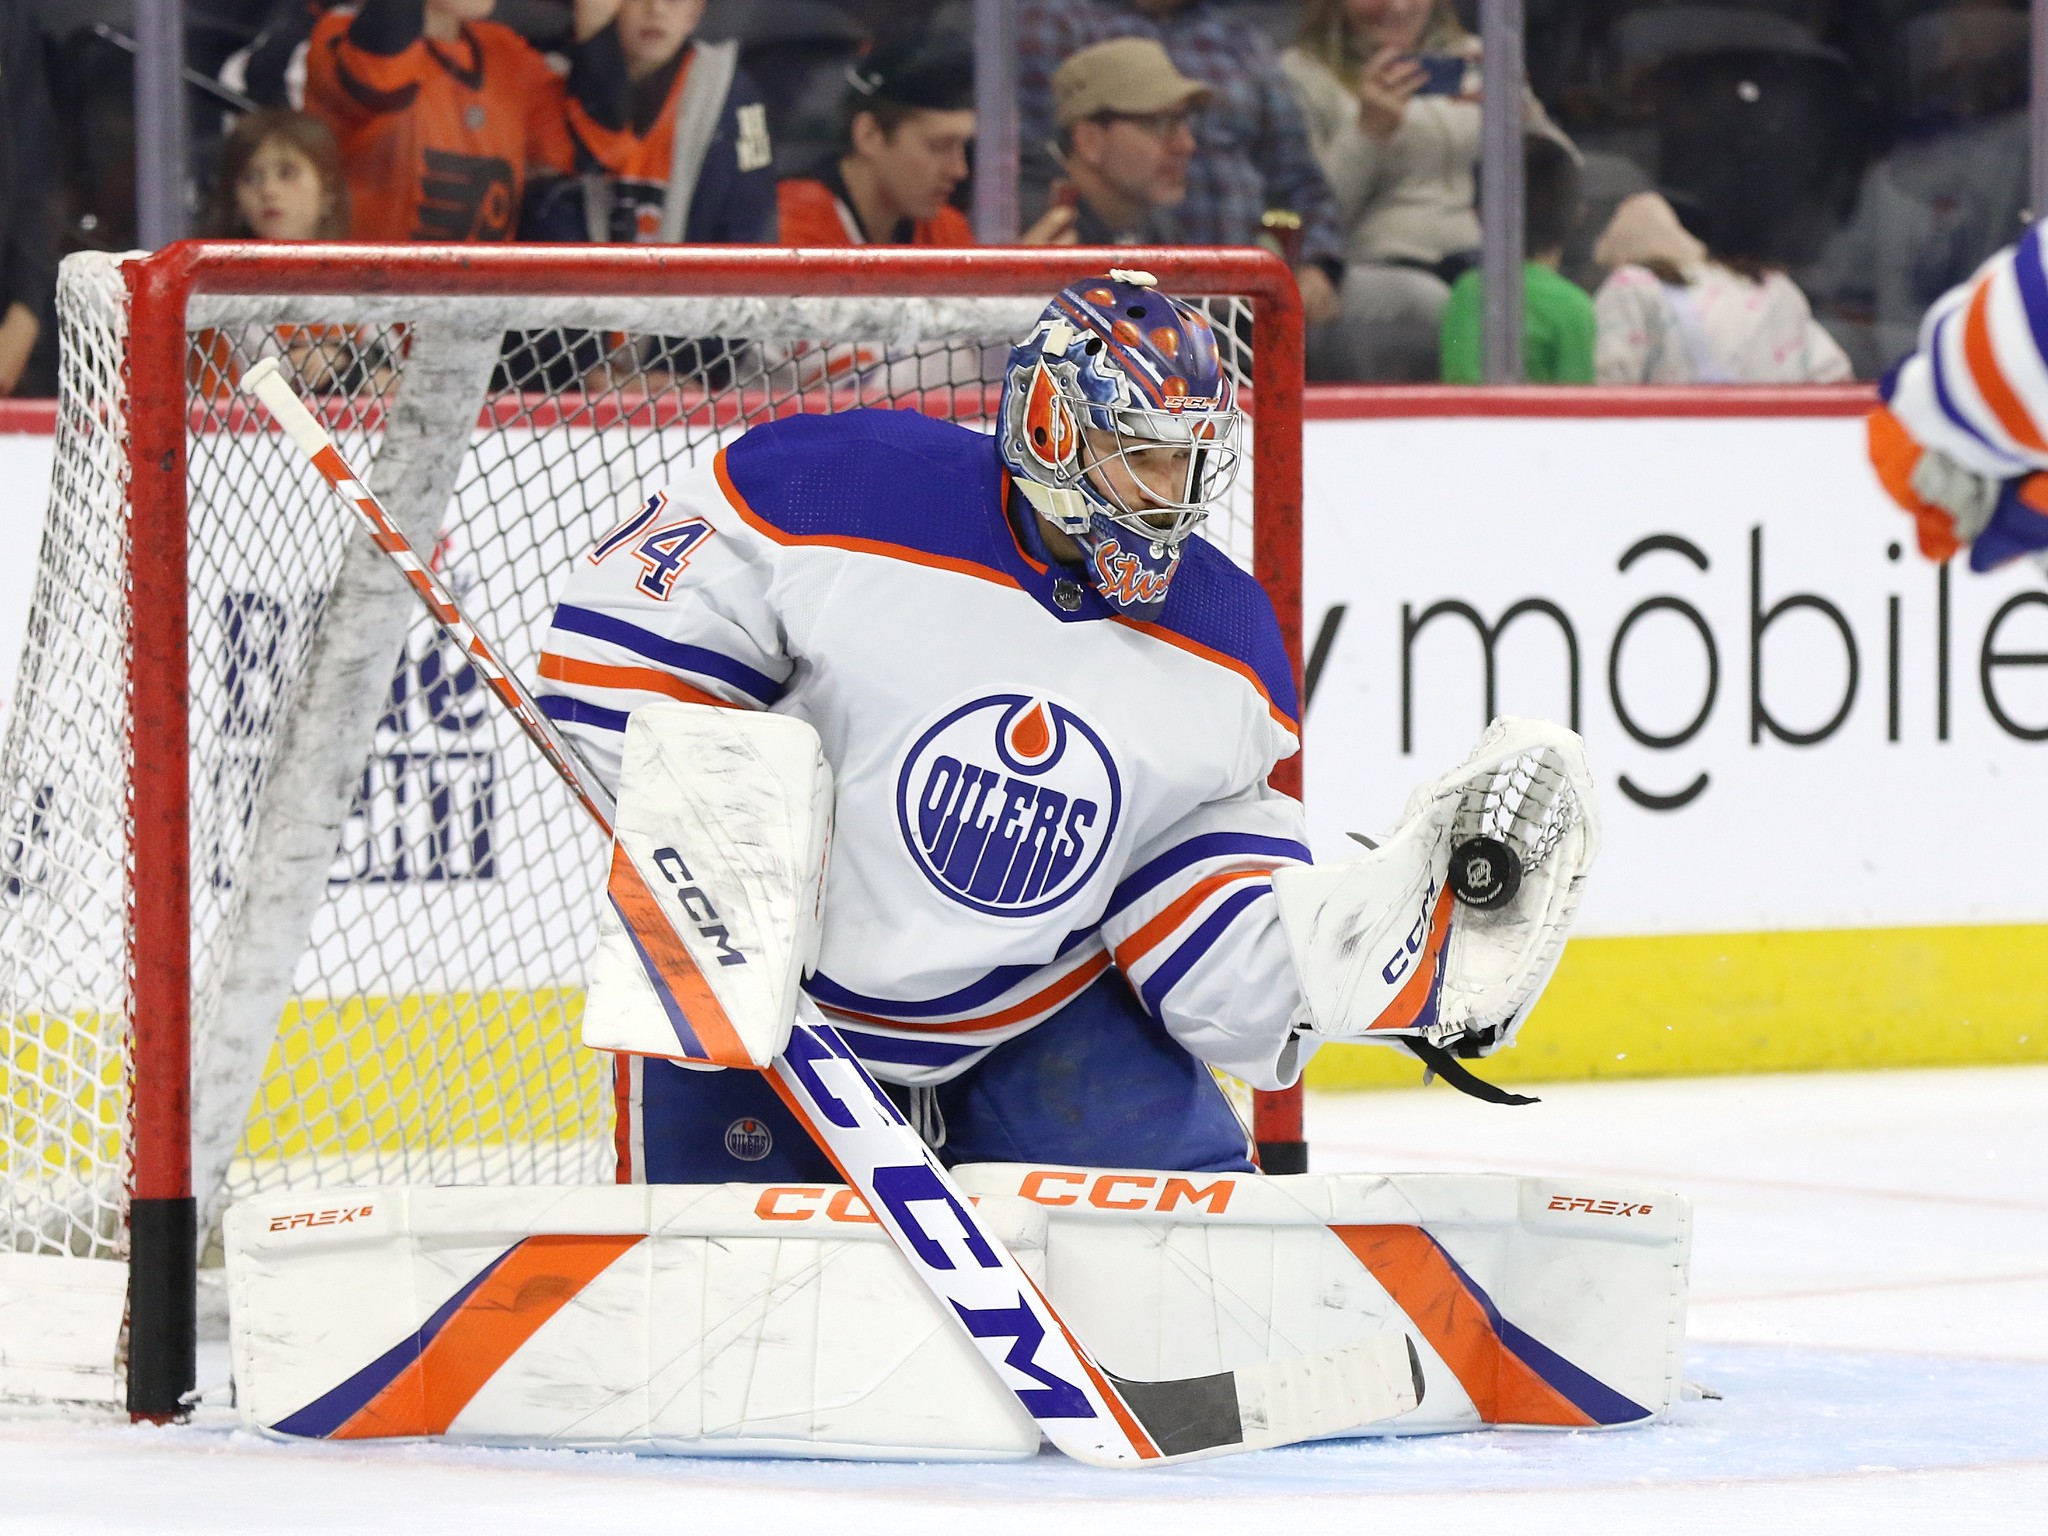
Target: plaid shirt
{"points": [[1252, 150]]}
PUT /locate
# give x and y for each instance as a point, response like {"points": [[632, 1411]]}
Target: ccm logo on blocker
{"points": [[696, 905]]}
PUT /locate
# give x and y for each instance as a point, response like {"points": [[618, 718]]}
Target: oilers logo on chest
{"points": [[1008, 803]]}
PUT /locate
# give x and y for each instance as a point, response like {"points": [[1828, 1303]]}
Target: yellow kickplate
{"points": [[1700, 1004]]}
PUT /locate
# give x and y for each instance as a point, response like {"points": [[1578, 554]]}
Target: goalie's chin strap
{"points": [[1451, 1070]]}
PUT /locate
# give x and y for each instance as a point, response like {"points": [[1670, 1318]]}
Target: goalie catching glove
{"points": [[1386, 952]]}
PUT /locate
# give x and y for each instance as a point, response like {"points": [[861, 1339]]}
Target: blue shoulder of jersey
{"points": [[1219, 605], [924, 487], [898, 478]]}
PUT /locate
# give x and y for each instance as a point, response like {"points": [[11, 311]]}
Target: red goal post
{"points": [[178, 412]]}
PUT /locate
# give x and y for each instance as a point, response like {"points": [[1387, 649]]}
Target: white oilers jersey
{"points": [[1028, 795]]}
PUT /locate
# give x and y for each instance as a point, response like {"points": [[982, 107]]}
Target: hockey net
{"points": [[370, 956]]}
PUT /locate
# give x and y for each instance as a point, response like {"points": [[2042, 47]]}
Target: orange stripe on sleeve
{"points": [[591, 674], [1149, 937], [1067, 986], [1991, 382]]}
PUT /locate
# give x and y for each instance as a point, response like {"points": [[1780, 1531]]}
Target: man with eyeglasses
{"points": [[1125, 139], [1252, 154]]}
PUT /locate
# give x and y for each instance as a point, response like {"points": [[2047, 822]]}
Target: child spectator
{"points": [[280, 179], [442, 115], [671, 135], [1674, 312], [909, 120], [1125, 139], [1557, 314]]}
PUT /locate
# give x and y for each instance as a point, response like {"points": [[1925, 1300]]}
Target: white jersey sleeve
{"points": [[1195, 930], [674, 603]]}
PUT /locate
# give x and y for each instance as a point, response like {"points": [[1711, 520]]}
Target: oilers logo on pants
{"points": [[1008, 804]]}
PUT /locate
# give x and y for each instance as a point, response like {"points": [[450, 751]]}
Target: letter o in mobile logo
{"points": [[1007, 804]]}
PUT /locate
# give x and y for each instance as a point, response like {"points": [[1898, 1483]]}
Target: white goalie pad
{"points": [[724, 816], [1381, 946], [780, 1320]]}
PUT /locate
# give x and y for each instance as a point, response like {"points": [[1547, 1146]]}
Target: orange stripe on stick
{"points": [[537, 1279]]}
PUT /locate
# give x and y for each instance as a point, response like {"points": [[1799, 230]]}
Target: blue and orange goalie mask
{"points": [[1121, 428]]}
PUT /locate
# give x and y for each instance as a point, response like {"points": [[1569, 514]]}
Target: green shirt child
{"points": [[1557, 329]]}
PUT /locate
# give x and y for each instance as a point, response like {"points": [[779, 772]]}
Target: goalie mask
{"points": [[1142, 370]]}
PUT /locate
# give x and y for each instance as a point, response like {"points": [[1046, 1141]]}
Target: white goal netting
{"points": [[392, 898]]}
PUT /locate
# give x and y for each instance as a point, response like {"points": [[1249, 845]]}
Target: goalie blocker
{"points": [[779, 1320]]}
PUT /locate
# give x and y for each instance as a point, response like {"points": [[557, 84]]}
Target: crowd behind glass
{"points": [[1753, 191]]}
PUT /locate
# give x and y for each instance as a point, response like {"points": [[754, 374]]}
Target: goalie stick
{"points": [[1083, 1409]]}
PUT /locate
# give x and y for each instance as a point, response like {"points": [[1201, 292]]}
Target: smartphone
{"points": [[1443, 74]]}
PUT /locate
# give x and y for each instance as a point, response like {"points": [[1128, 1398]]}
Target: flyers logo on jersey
{"points": [[1007, 804]]}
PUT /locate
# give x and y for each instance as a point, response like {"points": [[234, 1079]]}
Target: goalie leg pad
{"points": [[778, 1320]]}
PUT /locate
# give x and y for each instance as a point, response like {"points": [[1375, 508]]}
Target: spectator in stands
{"points": [[1126, 136], [1557, 314], [1251, 152], [909, 120], [1672, 311], [28, 216], [442, 115], [1390, 89], [280, 178], [670, 133]]}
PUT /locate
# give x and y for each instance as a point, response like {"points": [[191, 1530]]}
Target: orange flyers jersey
{"points": [[810, 213], [439, 137], [624, 152]]}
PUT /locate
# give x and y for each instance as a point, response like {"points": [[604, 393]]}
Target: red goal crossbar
{"points": [[162, 1209]]}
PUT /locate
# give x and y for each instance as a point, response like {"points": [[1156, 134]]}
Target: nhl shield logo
{"points": [[1008, 803]]}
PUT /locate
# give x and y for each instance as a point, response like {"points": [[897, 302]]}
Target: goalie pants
{"points": [[1099, 1084]]}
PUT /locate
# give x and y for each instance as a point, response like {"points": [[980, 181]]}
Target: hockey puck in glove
{"points": [[1485, 873]]}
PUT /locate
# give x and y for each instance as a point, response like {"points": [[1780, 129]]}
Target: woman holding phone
{"points": [[1390, 89]]}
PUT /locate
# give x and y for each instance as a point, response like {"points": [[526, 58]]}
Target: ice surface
{"points": [[1870, 1294]]}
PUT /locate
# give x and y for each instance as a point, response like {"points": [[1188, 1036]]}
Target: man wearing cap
{"points": [[1126, 136], [909, 119], [1252, 151]]}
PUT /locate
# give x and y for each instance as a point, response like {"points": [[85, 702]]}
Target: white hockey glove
{"points": [[1443, 937]]}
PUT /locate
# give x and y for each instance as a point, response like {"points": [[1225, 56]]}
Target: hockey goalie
{"points": [[1060, 889], [949, 755]]}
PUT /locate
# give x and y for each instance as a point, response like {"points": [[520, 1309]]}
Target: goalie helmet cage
{"points": [[179, 938]]}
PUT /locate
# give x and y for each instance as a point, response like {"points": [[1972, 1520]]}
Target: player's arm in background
{"points": [[1195, 930], [677, 602], [1961, 440], [364, 66]]}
